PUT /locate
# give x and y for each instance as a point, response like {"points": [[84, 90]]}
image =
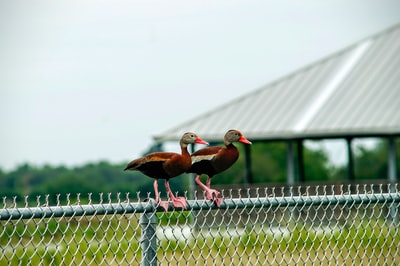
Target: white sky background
{"points": [[83, 81]]}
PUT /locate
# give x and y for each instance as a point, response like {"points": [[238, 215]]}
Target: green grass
{"points": [[303, 245], [115, 240]]}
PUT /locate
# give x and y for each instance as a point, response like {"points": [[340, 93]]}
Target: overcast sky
{"points": [[82, 81]]}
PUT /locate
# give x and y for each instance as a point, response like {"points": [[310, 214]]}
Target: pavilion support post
{"points": [[392, 169], [350, 160], [248, 175], [392, 176], [300, 161], [290, 178]]}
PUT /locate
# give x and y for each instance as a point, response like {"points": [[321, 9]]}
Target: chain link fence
{"points": [[324, 225]]}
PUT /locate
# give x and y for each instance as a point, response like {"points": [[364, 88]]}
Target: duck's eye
{"points": [[192, 135]]}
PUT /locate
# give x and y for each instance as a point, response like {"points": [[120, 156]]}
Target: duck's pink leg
{"points": [[211, 194], [179, 202], [158, 199]]}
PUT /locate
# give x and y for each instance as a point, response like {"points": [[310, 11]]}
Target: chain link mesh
{"points": [[346, 225]]}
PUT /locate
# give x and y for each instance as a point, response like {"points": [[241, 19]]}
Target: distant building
{"points": [[350, 94]]}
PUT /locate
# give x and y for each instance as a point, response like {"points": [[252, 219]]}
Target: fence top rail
{"points": [[391, 195]]}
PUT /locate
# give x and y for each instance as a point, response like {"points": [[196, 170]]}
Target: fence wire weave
{"points": [[335, 224]]}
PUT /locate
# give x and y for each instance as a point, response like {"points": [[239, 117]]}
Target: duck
{"points": [[214, 160], [167, 165]]}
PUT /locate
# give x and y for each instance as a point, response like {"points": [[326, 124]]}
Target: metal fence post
{"points": [[149, 240]]}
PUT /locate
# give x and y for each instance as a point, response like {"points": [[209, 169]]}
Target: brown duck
{"points": [[166, 165], [213, 160]]}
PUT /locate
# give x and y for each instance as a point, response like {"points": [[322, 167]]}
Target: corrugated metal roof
{"points": [[355, 92]]}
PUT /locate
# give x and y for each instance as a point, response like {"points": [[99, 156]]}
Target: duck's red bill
{"points": [[200, 141], [244, 140]]}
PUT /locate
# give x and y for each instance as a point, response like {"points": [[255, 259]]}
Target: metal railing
{"points": [[337, 224]]}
